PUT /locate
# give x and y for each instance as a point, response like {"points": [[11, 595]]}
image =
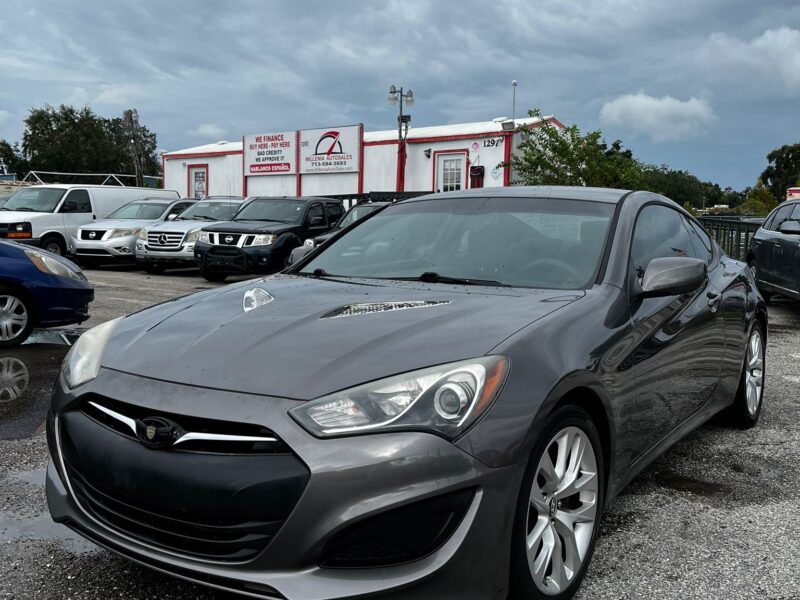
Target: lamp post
{"points": [[131, 119], [399, 96]]}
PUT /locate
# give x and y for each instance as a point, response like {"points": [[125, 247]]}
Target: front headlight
{"points": [[52, 266], [142, 234], [444, 400], [309, 243], [264, 239], [192, 237], [118, 233], [82, 362], [204, 237]]}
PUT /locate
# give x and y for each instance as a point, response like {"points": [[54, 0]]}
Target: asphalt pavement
{"points": [[718, 516]]}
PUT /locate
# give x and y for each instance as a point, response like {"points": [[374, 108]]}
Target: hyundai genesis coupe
{"points": [[438, 403]]}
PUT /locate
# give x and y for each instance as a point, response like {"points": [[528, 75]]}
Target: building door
{"points": [[198, 181], [450, 172]]}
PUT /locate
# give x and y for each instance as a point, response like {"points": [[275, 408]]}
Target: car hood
{"points": [[299, 346], [251, 226], [119, 223], [15, 216], [182, 226]]}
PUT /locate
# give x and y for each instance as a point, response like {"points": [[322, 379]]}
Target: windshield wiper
{"points": [[202, 218], [23, 209], [433, 277]]}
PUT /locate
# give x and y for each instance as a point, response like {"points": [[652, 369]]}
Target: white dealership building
{"points": [[349, 161]]}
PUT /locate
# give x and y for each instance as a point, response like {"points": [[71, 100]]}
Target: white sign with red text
{"points": [[270, 153], [330, 150]]}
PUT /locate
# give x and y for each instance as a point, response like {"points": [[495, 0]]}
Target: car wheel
{"points": [[54, 244], [559, 509], [753, 266], [16, 319], [214, 277], [153, 269], [746, 407]]}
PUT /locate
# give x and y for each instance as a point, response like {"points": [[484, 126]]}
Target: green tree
{"points": [[759, 202], [71, 140], [783, 169], [549, 155]]}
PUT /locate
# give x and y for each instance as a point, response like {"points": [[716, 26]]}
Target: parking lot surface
{"points": [[715, 517]]}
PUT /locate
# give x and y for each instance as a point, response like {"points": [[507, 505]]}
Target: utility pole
{"points": [[514, 101], [131, 119], [399, 96]]}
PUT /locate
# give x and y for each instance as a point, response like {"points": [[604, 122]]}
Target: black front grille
{"points": [[189, 534], [93, 251], [92, 234], [228, 239], [222, 502]]}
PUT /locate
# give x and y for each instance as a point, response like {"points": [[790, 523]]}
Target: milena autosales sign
{"points": [[330, 150], [270, 153]]}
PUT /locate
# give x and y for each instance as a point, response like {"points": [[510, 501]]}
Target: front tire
{"points": [[16, 318], [559, 509], [746, 407], [54, 244]]}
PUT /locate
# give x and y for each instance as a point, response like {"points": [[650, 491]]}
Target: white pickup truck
{"points": [[49, 215]]}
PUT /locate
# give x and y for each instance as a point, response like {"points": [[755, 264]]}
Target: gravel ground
{"points": [[718, 516]]}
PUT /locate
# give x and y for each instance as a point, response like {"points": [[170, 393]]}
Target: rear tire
{"points": [[559, 509], [54, 244], [16, 317], [153, 268], [746, 407], [214, 277]]}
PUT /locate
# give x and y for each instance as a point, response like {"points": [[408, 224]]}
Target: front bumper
{"points": [[115, 248], [183, 254], [350, 479], [232, 260], [60, 301]]}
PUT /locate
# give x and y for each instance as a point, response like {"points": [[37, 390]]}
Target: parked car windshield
{"points": [[283, 211], [520, 242], [35, 200], [210, 210], [146, 210], [356, 213]]}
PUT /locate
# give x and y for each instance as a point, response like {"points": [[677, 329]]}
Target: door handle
{"points": [[713, 299]]}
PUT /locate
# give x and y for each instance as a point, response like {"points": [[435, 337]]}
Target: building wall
{"points": [[224, 174], [271, 185], [380, 168]]}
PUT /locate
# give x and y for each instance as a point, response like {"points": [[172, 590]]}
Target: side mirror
{"points": [[673, 276], [790, 227], [298, 253], [316, 221], [172, 217]]}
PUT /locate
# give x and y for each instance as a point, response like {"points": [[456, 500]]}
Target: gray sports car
{"points": [[436, 404]]}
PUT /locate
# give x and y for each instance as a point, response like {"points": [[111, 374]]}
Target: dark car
{"points": [[774, 253], [38, 289], [438, 404], [356, 213], [260, 238]]}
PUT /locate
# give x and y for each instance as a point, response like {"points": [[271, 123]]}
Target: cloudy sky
{"points": [[705, 85]]}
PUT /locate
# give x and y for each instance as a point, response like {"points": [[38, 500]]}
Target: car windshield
{"points": [[35, 200], [520, 242], [356, 213], [147, 211], [210, 210], [283, 211]]}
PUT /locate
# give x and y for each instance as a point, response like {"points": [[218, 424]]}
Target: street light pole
{"points": [[514, 101], [400, 96]]}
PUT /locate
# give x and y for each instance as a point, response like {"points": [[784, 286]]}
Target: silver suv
{"points": [[171, 244]]}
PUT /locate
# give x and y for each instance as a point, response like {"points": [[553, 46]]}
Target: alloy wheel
{"points": [[53, 248], [562, 510], [754, 372], [13, 317], [14, 378]]}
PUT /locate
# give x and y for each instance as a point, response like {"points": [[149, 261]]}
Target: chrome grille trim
{"points": [[164, 239]]}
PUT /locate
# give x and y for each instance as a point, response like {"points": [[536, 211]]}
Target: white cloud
{"points": [[4, 116], [209, 131], [773, 56], [664, 119], [79, 97]]}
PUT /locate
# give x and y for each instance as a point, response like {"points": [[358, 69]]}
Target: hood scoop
{"points": [[369, 308]]}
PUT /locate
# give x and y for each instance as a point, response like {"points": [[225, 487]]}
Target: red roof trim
{"points": [[202, 154]]}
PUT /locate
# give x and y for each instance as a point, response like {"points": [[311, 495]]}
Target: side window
{"points": [[315, 210], [783, 214], [335, 212], [178, 208], [700, 240], [795, 213], [77, 201], [659, 233]]}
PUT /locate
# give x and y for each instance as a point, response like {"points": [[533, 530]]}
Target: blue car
{"points": [[38, 289]]}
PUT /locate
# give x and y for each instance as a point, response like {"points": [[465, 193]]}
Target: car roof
{"points": [[594, 194], [298, 198]]}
